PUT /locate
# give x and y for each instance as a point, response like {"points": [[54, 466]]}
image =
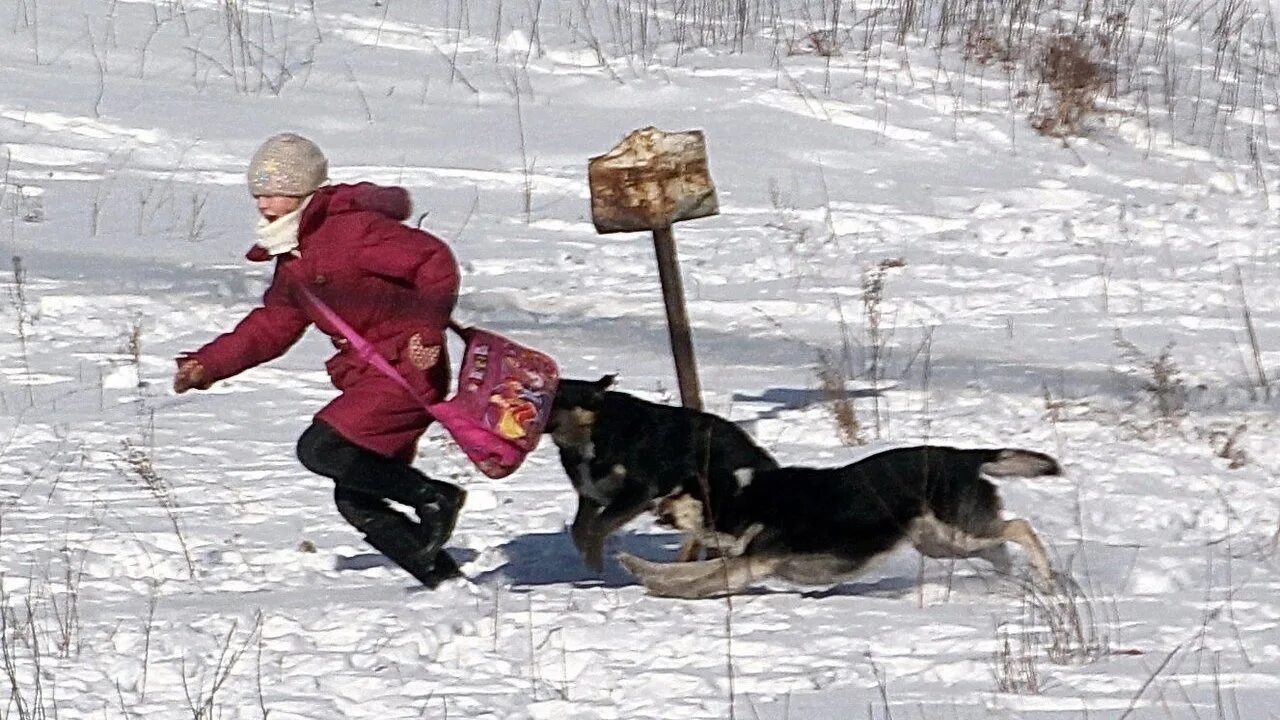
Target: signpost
{"points": [[650, 181]]}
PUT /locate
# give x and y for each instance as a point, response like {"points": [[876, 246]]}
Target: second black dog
{"points": [[818, 526]]}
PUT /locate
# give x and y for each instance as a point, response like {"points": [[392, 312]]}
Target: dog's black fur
{"points": [[817, 525], [623, 454]]}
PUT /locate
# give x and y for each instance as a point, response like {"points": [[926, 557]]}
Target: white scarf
{"points": [[280, 236]]}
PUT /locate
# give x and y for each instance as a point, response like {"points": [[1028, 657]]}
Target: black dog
{"points": [[816, 526], [623, 454]]}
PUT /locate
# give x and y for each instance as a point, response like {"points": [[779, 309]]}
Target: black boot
{"points": [[445, 568], [438, 507], [365, 480], [427, 564], [401, 540]]}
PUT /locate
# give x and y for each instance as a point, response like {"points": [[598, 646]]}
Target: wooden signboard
{"points": [[651, 181]]}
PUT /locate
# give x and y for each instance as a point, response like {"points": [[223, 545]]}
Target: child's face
{"points": [[273, 207]]}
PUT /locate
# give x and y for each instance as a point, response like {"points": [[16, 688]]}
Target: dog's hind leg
{"points": [[702, 578], [1019, 531], [938, 539], [824, 568]]}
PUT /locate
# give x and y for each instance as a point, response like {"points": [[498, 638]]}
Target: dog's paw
{"points": [[593, 558], [579, 534], [591, 548], [633, 564]]}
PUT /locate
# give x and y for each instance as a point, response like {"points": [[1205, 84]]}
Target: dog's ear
{"points": [[598, 389], [586, 394]]}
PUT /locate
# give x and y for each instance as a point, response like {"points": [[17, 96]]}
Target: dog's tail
{"points": [[1012, 462]]}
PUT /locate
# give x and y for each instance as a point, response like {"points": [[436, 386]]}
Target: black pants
{"points": [[363, 483]]}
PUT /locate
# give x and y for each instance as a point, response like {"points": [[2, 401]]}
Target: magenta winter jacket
{"points": [[395, 285]]}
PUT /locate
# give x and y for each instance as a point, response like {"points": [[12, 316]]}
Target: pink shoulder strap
{"points": [[362, 346]]}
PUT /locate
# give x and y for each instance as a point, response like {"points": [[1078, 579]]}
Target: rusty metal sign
{"points": [[651, 180]]}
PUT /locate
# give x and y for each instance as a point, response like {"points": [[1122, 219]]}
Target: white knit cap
{"points": [[287, 164]]}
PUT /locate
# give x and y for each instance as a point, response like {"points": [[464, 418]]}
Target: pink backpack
{"points": [[503, 401], [504, 394]]}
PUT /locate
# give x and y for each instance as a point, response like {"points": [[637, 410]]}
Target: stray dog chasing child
{"points": [[819, 526], [623, 454]]}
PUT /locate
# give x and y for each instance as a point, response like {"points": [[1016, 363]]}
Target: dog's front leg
{"points": [[601, 490], [701, 578], [584, 521], [594, 524]]}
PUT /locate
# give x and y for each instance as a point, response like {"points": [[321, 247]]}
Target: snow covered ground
{"points": [[1109, 299]]}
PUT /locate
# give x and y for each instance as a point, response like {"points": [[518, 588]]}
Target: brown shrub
{"points": [[1075, 80]]}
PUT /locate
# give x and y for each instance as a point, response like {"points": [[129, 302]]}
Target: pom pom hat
{"points": [[287, 164]]}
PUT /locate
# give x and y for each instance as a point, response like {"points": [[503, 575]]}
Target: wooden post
{"points": [[650, 181], [664, 246]]}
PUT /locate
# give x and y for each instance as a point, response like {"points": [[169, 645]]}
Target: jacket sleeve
{"points": [[417, 258], [264, 334]]}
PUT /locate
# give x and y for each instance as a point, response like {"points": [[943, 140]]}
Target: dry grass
{"points": [[832, 381], [1068, 67], [136, 463], [1200, 73], [203, 683], [1016, 662], [22, 318], [1161, 379], [1059, 624]]}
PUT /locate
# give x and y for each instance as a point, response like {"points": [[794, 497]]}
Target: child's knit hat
{"points": [[287, 164]]}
